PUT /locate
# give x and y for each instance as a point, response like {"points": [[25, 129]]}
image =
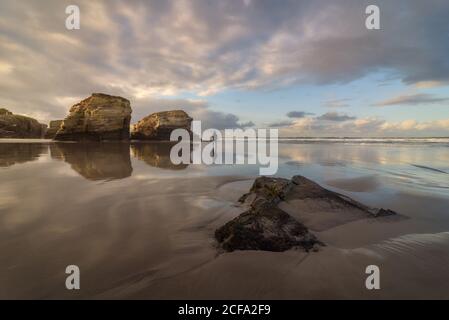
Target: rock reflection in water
{"points": [[12, 153], [156, 154], [95, 161]]}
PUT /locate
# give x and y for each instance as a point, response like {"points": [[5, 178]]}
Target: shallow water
{"points": [[134, 223]]}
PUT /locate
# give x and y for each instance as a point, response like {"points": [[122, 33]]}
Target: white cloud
{"points": [[146, 50], [366, 127], [412, 99]]}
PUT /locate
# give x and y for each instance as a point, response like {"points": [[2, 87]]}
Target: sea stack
{"points": [[18, 126], [158, 126], [53, 128], [97, 118]]}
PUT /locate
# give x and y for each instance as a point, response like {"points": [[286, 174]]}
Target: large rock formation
{"points": [[53, 128], [99, 117], [158, 126], [279, 215], [17, 126]]}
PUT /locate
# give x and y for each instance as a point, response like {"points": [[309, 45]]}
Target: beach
{"points": [[140, 227]]}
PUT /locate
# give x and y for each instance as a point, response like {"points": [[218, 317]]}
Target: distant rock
{"points": [[53, 129], [98, 117], [17, 126], [279, 211], [158, 126]]}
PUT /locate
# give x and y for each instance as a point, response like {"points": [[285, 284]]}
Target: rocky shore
{"points": [[100, 117], [18, 126]]}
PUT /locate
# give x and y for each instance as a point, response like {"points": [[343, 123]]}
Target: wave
{"points": [[364, 140], [429, 168]]}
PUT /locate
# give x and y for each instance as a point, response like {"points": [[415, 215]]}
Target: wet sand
{"points": [[142, 230]]}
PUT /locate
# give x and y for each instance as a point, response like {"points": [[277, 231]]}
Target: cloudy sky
{"points": [[309, 68]]}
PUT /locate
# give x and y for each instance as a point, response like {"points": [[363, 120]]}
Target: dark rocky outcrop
{"points": [[53, 128], [267, 226], [305, 189], [18, 126], [158, 126], [98, 117], [264, 228]]}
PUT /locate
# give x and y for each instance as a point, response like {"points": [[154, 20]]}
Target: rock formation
{"points": [[98, 117], [277, 216], [17, 126], [158, 126], [52, 129]]}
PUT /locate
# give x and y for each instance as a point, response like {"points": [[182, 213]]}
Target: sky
{"points": [[308, 68]]}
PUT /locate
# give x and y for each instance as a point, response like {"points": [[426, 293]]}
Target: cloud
{"points": [[336, 103], [141, 49], [298, 114], [412, 99], [335, 116], [281, 124], [219, 120], [151, 52], [366, 127], [428, 84]]}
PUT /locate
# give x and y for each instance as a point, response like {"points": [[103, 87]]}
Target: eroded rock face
{"points": [[53, 128], [279, 215], [17, 126], [99, 117], [158, 126], [264, 228]]}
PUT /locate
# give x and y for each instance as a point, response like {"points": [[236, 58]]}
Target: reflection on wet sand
{"points": [[95, 161], [156, 155], [342, 154], [106, 161], [12, 153], [151, 235]]}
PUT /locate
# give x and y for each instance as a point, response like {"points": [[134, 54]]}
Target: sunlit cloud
{"points": [[412, 99], [152, 51], [360, 127]]}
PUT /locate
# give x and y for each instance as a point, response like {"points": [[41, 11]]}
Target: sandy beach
{"points": [[139, 229]]}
